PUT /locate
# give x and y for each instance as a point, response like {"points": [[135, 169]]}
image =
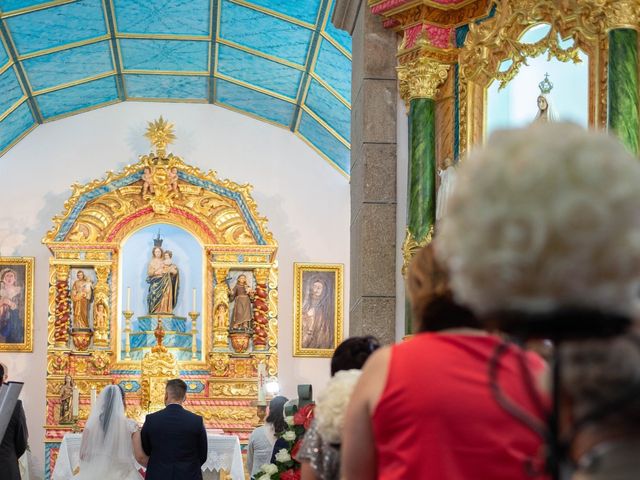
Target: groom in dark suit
{"points": [[174, 439]]}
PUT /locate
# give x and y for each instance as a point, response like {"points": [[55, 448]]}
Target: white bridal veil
{"points": [[106, 441]]}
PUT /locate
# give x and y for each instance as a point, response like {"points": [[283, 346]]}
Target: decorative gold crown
{"points": [[545, 86]]}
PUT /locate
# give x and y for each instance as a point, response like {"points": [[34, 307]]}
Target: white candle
{"points": [[128, 299], [193, 303], [75, 403], [262, 377], [94, 395]]}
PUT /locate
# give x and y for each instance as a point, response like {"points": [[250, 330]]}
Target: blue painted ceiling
{"points": [[281, 61]]}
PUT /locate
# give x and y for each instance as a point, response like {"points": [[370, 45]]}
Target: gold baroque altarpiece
{"points": [[89, 235]]}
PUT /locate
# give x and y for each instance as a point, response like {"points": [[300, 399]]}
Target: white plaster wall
{"points": [[305, 199], [402, 172]]}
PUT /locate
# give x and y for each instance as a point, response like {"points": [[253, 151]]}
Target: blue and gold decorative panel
{"points": [[306, 11], [258, 71], [11, 90], [167, 87], [330, 109], [79, 97], [15, 124], [164, 17], [69, 65], [272, 59], [264, 33], [334, 68], [324, 141], [57, 26], [256, 103], [165, 55]]}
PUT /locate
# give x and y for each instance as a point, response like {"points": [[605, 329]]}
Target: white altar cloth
{"points": [[224, 454]]}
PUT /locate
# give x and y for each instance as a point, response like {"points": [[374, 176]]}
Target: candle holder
{"points": [[127, 333], [194, 334], [75, 428]]}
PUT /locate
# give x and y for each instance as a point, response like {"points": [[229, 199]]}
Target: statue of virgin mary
{"points": [[163, 279], [546, 112]]}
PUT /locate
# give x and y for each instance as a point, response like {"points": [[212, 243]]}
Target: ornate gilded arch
{"points": [[497, 39]]}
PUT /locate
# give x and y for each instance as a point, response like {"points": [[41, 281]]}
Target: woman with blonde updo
{"points": [[423, 408]]}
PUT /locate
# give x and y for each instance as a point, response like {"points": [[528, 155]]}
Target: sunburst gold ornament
{"points": [[160, 134]]}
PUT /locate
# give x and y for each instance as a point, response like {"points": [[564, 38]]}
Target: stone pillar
{"points": [[373, 171], [419, 82], [624, 106]]}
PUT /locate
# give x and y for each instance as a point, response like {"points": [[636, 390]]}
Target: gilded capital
{"points": [[421, 78], [623, 14]]}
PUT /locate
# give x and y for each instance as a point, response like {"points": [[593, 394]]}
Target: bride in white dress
{"points": [[106, 452]]}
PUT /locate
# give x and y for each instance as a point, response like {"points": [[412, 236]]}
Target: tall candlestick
{"points": [[75, 402], [94, 395], [193, 303], [128, 298], [262, 377]]}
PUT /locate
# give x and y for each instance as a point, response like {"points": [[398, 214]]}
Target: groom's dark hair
{"points": [[176, 389]]}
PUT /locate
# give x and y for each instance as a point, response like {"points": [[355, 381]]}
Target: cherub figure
{"points": [[173, 179], [148, 181]]}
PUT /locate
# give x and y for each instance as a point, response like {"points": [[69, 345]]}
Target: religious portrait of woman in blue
{"points": [[163, 278], [11, 298]]}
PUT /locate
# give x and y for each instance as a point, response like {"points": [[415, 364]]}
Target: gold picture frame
{"points": [[318, 309], [16, 304]]}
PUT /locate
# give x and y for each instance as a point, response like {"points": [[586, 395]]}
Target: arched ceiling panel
{"points": [[277, 60]]}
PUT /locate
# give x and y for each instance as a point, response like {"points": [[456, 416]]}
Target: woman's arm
{"points": [[358, 452], [138, 452]]}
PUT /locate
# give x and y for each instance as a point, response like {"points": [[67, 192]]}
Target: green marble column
{"points": [[421, 208], [421, 193], [624, 106]]}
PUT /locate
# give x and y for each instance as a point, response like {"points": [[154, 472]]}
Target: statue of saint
{"points": [[242, 296], [66, 397], [100, 316], [163, 279], [81, 294], [447, 180], [546, 113]]}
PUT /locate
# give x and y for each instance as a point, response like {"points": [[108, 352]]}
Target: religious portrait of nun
{"points": [[318, 310]]}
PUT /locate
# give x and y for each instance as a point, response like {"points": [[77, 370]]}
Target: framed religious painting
{"points": [[317, 317], [16, 304]]}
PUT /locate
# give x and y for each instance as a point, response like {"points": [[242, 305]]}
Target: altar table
{"points": [[224, 454]]}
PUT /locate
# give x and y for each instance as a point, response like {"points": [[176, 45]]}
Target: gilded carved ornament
{"points": [[496, 40], [158, 183], [410, 247], [421, 78]]}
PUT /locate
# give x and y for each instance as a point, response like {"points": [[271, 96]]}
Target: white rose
{"points": [[289, 420], [264, 476], [269, 469], [332, 404], [289, 435], [283, 456]]}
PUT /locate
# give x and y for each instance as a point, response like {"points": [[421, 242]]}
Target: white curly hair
{"points": [[545, 217]]}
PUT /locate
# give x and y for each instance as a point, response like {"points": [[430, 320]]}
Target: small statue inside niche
{"points": [[242, 296], [100, 316], [81, 296], [220, 316], [66, 397]]}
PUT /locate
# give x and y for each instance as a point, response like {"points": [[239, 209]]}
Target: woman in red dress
{"points": [[424, 409]]}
